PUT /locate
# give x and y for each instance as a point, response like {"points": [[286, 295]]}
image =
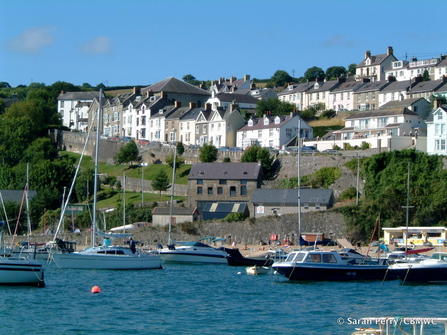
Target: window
{"points": [[359, 97], [270, 132], [219, 190], [210, 190], [197, 129], [373, 95], [222, 181], [288, 132], [341, 96], [243, 181], [199, 181], [199, 190], [62, 104], [439, 116], [233, 190], [204, 129], [243, 190], [259, 133]]}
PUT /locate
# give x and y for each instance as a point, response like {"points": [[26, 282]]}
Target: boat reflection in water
{"points": [[326, 265]]}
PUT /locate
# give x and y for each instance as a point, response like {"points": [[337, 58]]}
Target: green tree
{"points": [[180, 148], [335, 72], [313, 73], [280, 78], [188, 78], [352, 69], [4, 84], [255, 154], [426, 76], [178, 161], [160, 182], [128, 154], [273, 107], [208, 153]]}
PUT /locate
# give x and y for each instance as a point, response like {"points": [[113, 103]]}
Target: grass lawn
{"points": [[134, 171], [135, 197]]}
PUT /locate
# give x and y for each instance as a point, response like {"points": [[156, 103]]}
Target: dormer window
{"points": [[250, 123], [316, 85], [290, 87], [277, 120], [266, 121]]}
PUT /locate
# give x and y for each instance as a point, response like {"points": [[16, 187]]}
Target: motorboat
{"points": [[20, 271], [192, 252], [235, 258], [328, 265], [402, 324], [432, 270], [38, 251], [105, 257], [349, 254], [257, 270]]}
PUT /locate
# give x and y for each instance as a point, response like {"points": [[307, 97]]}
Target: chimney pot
{"points": [[390, 51]]}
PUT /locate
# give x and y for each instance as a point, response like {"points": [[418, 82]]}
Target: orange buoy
{"points": [[96, 289]]}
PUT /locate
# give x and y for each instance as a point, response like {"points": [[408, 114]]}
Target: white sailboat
{"points": [[20, 270], [189, 252], [105, 257]]}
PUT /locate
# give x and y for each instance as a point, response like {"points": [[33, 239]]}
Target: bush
{"points": [[234, 217], [349, 193], [227, 160]]}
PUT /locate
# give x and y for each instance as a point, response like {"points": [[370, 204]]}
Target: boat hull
{"points": [[21, 272], [106, 261], [235, 258], [432, 274], [300, 272], [189, 255]]}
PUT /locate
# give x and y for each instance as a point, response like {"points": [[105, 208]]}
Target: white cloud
{"points": [[32, 40], [98, 45]]}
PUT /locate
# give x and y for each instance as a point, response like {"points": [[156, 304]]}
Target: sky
{"points": [[141, 42]]}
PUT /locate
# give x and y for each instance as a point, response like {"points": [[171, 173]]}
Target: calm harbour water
{"points": [[205, 299]]}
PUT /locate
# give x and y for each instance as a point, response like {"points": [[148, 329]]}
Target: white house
{"points": [[66, 106], [342, 97], [437, 131], [272, 131]]}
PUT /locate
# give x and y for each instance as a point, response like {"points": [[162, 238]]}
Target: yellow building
{"points": [[416, 235]]}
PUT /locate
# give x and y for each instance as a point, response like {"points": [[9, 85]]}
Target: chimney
{"points": [[234, 88], [444, 79], [163, 95], [136, 90], [149, 93], [252, 86], [341, 80], [391, 79], [389, 51], [414, 59], [192, 105], [246, 77], [367, 54], [365, 80], [438, 103], [233, 106], [178, 104], [232, 79], [208, 106], [418, 79]]}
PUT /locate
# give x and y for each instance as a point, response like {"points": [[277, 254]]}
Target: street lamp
{"points": [[142, 182]]}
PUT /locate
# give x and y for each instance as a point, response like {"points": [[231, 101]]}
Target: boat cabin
{"points": [[314, 257]]}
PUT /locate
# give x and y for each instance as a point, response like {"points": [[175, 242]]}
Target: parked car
{"points": [[236, 149], [331, 152], [224, 148], [284, 151], [309, 149], [127, 139], [144, 142]]}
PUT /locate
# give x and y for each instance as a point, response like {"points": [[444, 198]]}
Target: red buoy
{"points": [[96, 289]]}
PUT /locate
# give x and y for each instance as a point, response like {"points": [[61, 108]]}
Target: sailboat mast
{"points": [[299, 181], [124, 202], [27, 202], [172, 194], [95, 187]]}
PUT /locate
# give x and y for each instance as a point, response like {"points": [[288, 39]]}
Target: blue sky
{"points": [[140, 42]]}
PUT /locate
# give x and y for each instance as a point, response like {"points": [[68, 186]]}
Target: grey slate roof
{"points": [[228, 171], [16, 195], [428, 86], [373, 86], [239, 98], [397, 86], [289, 197], [375, 60], [400, 103], [302, 87], [173, 85], [258, 123], [381, 112], [78, 95], [175, 210]]}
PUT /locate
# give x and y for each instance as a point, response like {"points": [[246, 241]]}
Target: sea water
{"points": [[207, 299]]}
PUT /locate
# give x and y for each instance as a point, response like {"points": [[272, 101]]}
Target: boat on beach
{"points": [[327, 265]]}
